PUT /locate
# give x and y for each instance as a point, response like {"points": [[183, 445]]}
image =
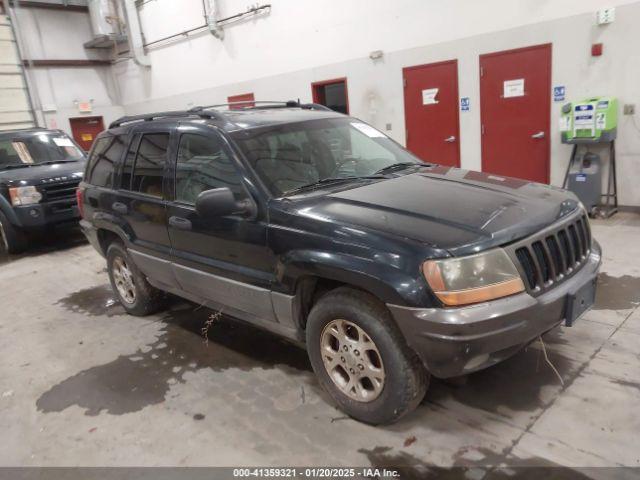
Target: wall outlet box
{"points": [[606, 15], [629, 109]]}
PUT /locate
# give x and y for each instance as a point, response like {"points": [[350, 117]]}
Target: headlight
{"points": [[24, 195], [473, 279]]}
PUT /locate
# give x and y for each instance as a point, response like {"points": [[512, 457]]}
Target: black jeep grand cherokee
{"points": [[320, 228], [39, 173]]}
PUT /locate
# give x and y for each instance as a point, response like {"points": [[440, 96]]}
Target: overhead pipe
{"points": [[210, 14], [134, 30]]}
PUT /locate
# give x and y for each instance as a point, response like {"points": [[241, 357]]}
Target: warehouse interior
{"points": [[497, 92]]}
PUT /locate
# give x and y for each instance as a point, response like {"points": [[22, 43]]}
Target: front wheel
{"points": [[361, 358], [135, 293], [11, 238]]}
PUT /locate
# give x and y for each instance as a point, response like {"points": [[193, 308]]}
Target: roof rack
{"points": [[147, 117], [208, 111], [264, 105]]}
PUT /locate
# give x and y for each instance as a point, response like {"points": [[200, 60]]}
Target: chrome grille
{"points": [[553, 255]]}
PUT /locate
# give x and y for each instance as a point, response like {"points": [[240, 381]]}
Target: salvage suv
{"points": [[39, 173], [318, 227]]}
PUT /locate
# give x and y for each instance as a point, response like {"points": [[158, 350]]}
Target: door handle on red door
{"points": [[538, 135], [119, 207], [180, 223], [450, 139]]}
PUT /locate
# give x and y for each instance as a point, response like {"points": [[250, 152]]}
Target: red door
{"points": [[431, 112], [515, 98], [85, 129], [245, 97]]}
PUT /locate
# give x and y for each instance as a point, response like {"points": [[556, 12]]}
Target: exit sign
{"points": [[84, 107]]}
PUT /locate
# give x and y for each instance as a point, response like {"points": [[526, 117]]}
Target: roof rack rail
{"points": [[147, 117], [264, 105], [208, 111]]}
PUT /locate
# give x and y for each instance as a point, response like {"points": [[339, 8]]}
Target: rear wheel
{"points": [[361, 358], [135, 293], [11, 238]]}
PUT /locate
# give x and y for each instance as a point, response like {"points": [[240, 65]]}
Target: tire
{"points": [[142, 298], [11, 238], [404, 379]]}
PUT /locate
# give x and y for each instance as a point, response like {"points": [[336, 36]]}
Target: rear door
{"points": [[431, 112], [224, 259], [141, 206], [515, 98]]}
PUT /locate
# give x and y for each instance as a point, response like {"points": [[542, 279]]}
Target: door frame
{"points": [[457, 106], [322, 83], [547, 105]]}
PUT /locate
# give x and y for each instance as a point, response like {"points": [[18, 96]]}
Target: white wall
{"points": [[278, 56], [59, 35]]}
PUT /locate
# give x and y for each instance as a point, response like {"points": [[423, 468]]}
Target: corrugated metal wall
{"points": [[15, 110]]}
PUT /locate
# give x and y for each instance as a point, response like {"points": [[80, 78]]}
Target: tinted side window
{"points": [[127, 168], [104, 156], [203, 164], [149, 165]]}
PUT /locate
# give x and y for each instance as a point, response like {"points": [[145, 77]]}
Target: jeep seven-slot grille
{"points": [[549, 258]]}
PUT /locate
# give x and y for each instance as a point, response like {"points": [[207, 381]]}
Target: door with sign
{"points": [[85, 129], [515, 110], [431, 112]]}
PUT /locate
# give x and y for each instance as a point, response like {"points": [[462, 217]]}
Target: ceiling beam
{"points": [[66, 63], [69, 5]]}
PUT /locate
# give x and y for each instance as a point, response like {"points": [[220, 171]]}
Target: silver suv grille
{"points": [[554, 254]]}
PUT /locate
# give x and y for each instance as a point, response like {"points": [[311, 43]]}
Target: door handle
{"points": [[538, 135], [180, 223], [119, 207], [450, 139]]}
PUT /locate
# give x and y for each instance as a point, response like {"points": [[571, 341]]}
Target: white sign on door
{"points": [[513, 88], [429, 96]]}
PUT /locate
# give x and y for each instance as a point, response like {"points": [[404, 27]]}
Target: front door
{"points": [[431, 112], [85, 130], [222, 259], [515, 91]]}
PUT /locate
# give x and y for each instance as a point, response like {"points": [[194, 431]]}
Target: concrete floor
{"points": [[82, 383]]}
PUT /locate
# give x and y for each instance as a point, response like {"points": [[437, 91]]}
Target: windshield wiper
{"points": [[330, 181], [396, 166], [51, 162], [16, 165]]}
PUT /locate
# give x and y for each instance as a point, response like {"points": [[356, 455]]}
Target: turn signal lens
{"points": [[473, 279]]}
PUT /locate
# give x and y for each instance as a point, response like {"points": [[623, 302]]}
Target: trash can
{"points": [[585, 179]]}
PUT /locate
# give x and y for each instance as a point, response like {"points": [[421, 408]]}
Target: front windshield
{"points": [[38, 148], [287, 157]]}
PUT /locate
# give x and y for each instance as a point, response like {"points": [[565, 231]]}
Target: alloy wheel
{"points": [[352, 360], [3, 238], [123, 279]]}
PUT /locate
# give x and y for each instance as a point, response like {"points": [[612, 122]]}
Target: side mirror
{"points": [[218, 202]]}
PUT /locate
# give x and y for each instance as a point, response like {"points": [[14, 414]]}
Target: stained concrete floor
{"points": [[82, 383]]}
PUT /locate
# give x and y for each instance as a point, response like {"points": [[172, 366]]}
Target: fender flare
{"points": [[9, 212], [375, 278]]}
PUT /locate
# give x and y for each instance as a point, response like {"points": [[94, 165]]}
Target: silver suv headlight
{"points": [[476, 278], [24, 195]]}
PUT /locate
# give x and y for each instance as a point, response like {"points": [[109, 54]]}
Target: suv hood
{"points": [[448, 208], [42, 174]]}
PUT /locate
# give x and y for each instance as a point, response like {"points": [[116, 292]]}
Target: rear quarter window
{"points": [[105, 155]]}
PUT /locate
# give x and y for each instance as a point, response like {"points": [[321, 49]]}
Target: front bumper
{"points": [[456, 341], [39, 215]]}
